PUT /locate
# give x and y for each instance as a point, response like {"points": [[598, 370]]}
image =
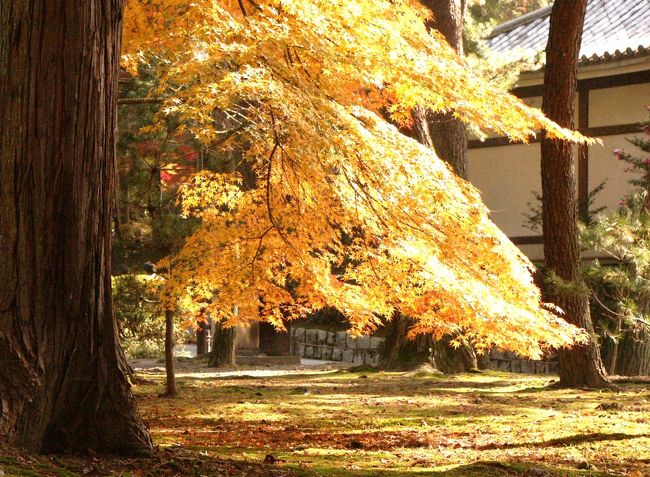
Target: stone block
{"points": [[340, 338], [331, 338], [309, 352], [376, 342], [348, 356], [363, 342], [359, 356], [318, 351], [372, 358], [298, 333], [322, 336], [337, 354], [300, 349], [351, 342], [327, 353], [311, 336]]}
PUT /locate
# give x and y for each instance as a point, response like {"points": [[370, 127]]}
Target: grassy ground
{"points": [[341, 423]]}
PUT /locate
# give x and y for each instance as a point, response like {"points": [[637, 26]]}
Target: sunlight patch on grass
{"points": [[357, 423]]}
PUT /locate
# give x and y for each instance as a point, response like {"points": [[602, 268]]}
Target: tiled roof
{"points": [[614, 29]]}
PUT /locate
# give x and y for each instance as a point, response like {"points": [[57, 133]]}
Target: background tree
{"points": [[618, 289], [582, 365], [61, 384], [223, 346], [449, 138], [621, 300]]}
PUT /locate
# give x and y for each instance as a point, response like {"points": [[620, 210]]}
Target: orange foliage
{"points": [[346, 211]]}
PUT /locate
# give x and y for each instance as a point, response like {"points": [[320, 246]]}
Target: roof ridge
{"points": [[515, 22]]}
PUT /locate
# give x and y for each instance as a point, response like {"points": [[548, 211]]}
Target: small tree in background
{"points": [[621, 292]]}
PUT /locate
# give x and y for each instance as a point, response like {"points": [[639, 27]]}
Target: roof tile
{"points": [[614, 29]]}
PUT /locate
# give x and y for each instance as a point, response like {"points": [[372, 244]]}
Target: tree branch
{"points": [[153, 100]]}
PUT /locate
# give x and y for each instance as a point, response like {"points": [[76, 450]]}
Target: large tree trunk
{"points": [[581, 365], [397, 352], [61, 383], [223, 346], [448, 135]]}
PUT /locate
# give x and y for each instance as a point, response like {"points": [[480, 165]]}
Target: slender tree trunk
{"points": [[169, 353], [62, 386], [581, 365], [633, 350], [611, 367], [200, 338], [223, 346]]}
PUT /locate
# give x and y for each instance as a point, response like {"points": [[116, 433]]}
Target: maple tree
{"points": [[449, 139], [347, 211]]}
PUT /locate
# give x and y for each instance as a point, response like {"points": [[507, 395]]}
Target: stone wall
{"points": [[313, 343], [507, 361]]}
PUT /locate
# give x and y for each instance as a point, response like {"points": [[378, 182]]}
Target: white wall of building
{"points": [[508, 175]]}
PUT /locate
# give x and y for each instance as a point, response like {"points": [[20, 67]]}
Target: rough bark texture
{"points": [[223, 346], [448, 135], [633, 357], [62, 386], [630, 355], [452, 360], [169, 353], [397, 352], [582, 365]]}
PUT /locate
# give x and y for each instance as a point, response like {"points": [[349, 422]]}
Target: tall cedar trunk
{"points": [[582, 365], [223, 346], [62, 386], [169, 353]]}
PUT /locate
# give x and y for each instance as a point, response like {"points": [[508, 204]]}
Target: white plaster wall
{"points": [[506, 177], [603, 165], [619, 105], [534, 252]]}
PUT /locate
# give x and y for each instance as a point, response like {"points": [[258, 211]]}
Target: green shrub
{"points": [[140, 320]]}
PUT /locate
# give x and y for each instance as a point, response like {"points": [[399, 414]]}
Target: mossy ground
{"points": [[341, 423], [364, 423]]}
